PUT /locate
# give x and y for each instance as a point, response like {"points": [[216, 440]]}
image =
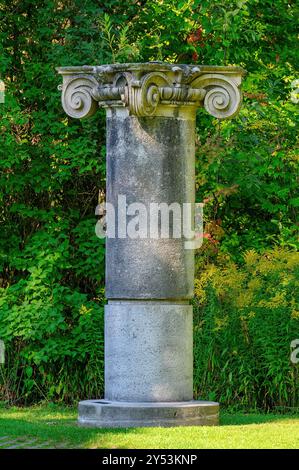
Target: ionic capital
{"points": [[151, 89]]}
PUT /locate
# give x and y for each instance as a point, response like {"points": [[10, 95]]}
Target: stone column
{"points": [[151, 112]]}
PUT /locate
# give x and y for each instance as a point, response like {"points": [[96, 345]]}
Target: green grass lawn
{"points": [[57, 424]]}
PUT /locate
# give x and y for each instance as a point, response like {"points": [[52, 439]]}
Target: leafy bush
{"points": [[245, 319], [52, 169], [53, 334]]}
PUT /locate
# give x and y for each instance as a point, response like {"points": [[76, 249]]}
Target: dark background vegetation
{"points": [[53, 167]]}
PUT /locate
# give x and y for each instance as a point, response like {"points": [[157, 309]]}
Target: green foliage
{"points": [[52, 169], [118, 44], [51, 262]]}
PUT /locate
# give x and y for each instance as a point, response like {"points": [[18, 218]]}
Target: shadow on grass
{"points": [[242, 419], [60, 430]]}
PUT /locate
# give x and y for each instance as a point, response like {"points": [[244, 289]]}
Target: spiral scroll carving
{"points": [[77, 97], [142, 97], [152, 89], [223, 97]]}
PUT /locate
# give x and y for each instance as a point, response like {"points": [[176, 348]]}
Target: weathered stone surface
{"points": [[102, 413], [149, 160], [148, 351], [153, 88]]}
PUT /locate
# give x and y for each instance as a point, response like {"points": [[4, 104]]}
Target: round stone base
{"points": [[109, 414]]}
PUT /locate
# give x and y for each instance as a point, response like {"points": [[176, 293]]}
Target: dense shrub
{"points": [[52, 169], [245, 319]]}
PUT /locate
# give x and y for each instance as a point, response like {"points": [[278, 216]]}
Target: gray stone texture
{"points": [[148, 351], [100, 413], [149, 159]]}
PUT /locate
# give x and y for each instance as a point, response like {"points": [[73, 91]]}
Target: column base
{"points": [[112, 414]]}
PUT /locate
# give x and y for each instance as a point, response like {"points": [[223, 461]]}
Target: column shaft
{"points": [[148, 325], [149, 269], [149, 160]]}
